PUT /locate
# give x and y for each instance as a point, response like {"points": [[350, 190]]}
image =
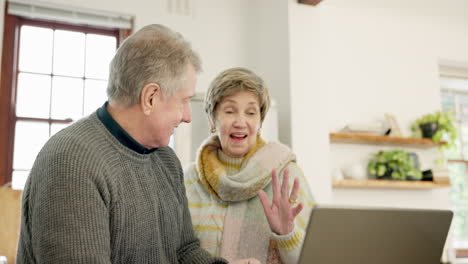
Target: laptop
{"points": [[358, 235]]}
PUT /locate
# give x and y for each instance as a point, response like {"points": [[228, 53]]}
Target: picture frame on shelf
{"points": [[393, 124]]}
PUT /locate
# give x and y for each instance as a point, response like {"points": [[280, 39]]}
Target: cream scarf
{"points": [[246, 231]]}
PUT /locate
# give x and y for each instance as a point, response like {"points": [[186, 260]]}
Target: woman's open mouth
{"points": [[237, 138]]}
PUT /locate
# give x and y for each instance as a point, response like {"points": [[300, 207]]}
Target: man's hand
{"points": [[281, 213]]}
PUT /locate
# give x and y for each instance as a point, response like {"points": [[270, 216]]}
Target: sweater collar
{"points": [[234, 163], [119, 133]]}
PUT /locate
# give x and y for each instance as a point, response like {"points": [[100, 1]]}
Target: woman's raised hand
{"points": [[283, 210]]}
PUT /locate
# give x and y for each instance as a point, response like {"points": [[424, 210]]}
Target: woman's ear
{"points": [[212, 125], [148, 96]]}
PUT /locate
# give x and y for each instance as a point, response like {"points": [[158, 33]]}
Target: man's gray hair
{"points": [[232, 81], [154, 54]]}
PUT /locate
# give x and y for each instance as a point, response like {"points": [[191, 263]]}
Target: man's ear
{"points": [[148, 97]]}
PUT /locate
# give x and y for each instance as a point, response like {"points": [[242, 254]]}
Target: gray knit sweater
{"points": [[90, 199]]}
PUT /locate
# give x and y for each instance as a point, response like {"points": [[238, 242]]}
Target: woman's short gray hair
{"points": [[232, 81], [154, 54]]}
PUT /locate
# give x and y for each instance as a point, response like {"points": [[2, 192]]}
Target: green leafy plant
{"points": [[446, 131], [395, 164]]}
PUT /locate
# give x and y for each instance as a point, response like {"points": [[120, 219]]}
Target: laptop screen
{"points": [[357, 235]]}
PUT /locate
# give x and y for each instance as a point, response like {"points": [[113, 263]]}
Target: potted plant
{"points": [[439, 126], [394, 165]]}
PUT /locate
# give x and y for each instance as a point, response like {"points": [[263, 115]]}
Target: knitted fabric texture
{"points": [[90, 199], [227, 214], [255, 171]]}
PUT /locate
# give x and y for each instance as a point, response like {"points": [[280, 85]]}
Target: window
{"points": [[52, 75], [454, 94]]}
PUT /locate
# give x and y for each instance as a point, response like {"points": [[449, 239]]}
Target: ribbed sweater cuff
{"points": [[290, 245], [289, 241], [202, 259]]}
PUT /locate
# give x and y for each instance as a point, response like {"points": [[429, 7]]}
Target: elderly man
{"points": [[107, 189]]}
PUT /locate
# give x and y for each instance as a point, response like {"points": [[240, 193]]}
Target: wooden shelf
{"points": [[354, 138], [387, 184], [310, 2]]}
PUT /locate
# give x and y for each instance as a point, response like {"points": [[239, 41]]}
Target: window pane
{"points": [[56, 127], [67, 98], [18, 179], [457, 172], [463, 138], [454, 153], [448, 102], [69, 48], [462, 107], [35, 52], [29, 139], [95, 95], [33, 95], [460, 222], [99, 52]]}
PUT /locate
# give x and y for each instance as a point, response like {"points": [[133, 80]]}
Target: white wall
{"points": [[258, 36], [384, 56], [268, 55], [362, 59], [309, 101]]}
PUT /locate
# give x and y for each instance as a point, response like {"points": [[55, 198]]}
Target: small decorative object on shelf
{"points": [[356, 171], [438, 175], [428, 130], [367, 128], [394, 165], [394, 126], [438, 126]]}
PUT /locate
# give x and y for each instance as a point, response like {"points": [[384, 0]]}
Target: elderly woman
{"points": [[236, 174]]}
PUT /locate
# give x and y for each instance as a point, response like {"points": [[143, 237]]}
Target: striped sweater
{"points": [[209, 213]]}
